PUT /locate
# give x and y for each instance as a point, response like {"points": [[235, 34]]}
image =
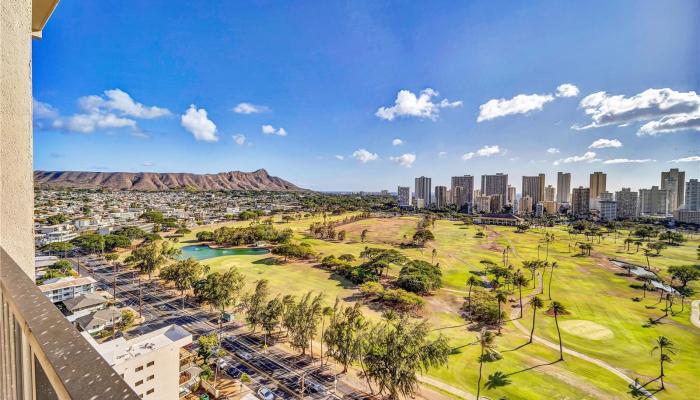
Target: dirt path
{"points": [[555, 346], [695, 313]]}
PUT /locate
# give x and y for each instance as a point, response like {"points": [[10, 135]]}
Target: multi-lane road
{"points": [[282, 372]]}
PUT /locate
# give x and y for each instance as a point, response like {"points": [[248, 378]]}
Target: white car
{"points": [[265, 393]]}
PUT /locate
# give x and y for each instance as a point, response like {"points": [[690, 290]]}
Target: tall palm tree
{"points": [[434, 253], [327, 312], [557, 308], [501, 297], [520, 280], [536, 303], [473, 280], [551, 273], [486, 340], [665, 346]]}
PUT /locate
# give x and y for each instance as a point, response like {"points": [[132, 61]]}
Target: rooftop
{"points": [[62, 283]]}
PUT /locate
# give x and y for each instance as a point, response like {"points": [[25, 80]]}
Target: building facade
{"points": [[692, 195], [674, 181], [462, 196], [549, 193], [563, 187], [597, 184], [404, 196], [580, 201], [626, 202], [440, 196], [533, 188], [423, 191], [654, 201], [495, 184], [608, 210]]}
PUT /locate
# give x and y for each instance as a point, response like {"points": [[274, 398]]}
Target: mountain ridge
{"points": [[259, 179]]}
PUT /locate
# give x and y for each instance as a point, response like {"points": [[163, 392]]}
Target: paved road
{"points": [[695, 313], [276, 369]]}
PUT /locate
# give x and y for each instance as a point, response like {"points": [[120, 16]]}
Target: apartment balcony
{"points": [[42, 356]]}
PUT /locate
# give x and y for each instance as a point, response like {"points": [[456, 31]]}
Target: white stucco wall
{"points": [[16, 176]]}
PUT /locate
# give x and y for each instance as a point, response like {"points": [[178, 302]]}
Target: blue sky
{"points": [[468, 88]]}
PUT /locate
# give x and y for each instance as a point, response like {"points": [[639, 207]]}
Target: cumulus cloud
{"points": [[552, 150], [147, 164], [604, 143], [397, 142], [364, 156], [588, 156], [408, 104], [686, 159], [120, 102], [486, 151], [249, 108], [239, 139], [567, 90], [43, 110], [339, 157], [271, 130], [442, 154], [405, 160], [520, 104], [87, 123], [198, 124], [663, 110], [628, 161]]}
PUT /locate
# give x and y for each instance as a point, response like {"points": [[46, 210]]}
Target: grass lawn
{"points": [[603, 321]]}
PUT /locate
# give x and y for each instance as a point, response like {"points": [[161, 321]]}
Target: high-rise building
{"points": [[465, 195], [550, 207], [533, 186], [549, 193], [626, 202], [563, 187], [495, 184], [483, 203], [654, 201], [440, 196], [511, 196], [597, 184], [404, 196], [525, 206], [496, 202], [580, 201], [674, 181], [423, 190], [608, 210], [692, 195]]}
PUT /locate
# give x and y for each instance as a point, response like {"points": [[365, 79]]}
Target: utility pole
{"points": [[140, 300]]}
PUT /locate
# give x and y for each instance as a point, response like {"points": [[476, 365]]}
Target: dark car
{"points": [[234, 373]]}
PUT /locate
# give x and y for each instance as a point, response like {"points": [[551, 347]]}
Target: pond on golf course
{"points": [[203, 252]]}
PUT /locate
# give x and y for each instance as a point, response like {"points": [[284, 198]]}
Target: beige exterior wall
{"points": [[16, 172]]}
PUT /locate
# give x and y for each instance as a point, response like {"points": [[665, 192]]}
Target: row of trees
{"points": [[237, 236]]}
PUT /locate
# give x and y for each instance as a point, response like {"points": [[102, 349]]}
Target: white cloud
{"points": [[397, 142], [686, 159], [239, 139], [339, 157], [567, 90], [405, 160], [486, 151], [364, 156], [588, 156], [43, 110], [552, 150], [147, 164], [627, 161], [121, 102], [198, 124], [248, 108], [604, 143], [520, 104], [442, 154], [87, 123], [271, 130], [664, 110], [407, 104]]}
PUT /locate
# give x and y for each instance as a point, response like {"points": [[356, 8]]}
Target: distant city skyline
{"points": [[420, 89]]}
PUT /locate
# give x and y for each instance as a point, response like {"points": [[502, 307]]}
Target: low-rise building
{"points": [[687, 216], [62, 289], [85, 304], [99, 320], [498, 219]]}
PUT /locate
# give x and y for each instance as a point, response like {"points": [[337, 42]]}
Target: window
{"points": [[150, 378], [139, 383], [150, 391], [150, 363], [139, 368]]}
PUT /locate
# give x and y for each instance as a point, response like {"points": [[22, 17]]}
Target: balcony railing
{"points": [[42, 356]]}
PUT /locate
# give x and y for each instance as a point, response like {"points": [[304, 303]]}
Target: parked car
{"points": [[234, 373], [266, 394], [244, 355]]}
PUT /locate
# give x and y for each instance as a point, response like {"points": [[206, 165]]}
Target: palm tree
{"points": [[551, 273], [663, 344], [520, 280], [536, 303], [486, 339], [473, 280], [558, 308], [501, 297], [363, 235], [327, 312], [434, 253]]}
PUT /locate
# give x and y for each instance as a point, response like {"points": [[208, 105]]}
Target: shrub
{"points": [[420, 277]]}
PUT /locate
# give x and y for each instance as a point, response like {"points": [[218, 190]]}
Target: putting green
{"points": [[586, 329]]}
